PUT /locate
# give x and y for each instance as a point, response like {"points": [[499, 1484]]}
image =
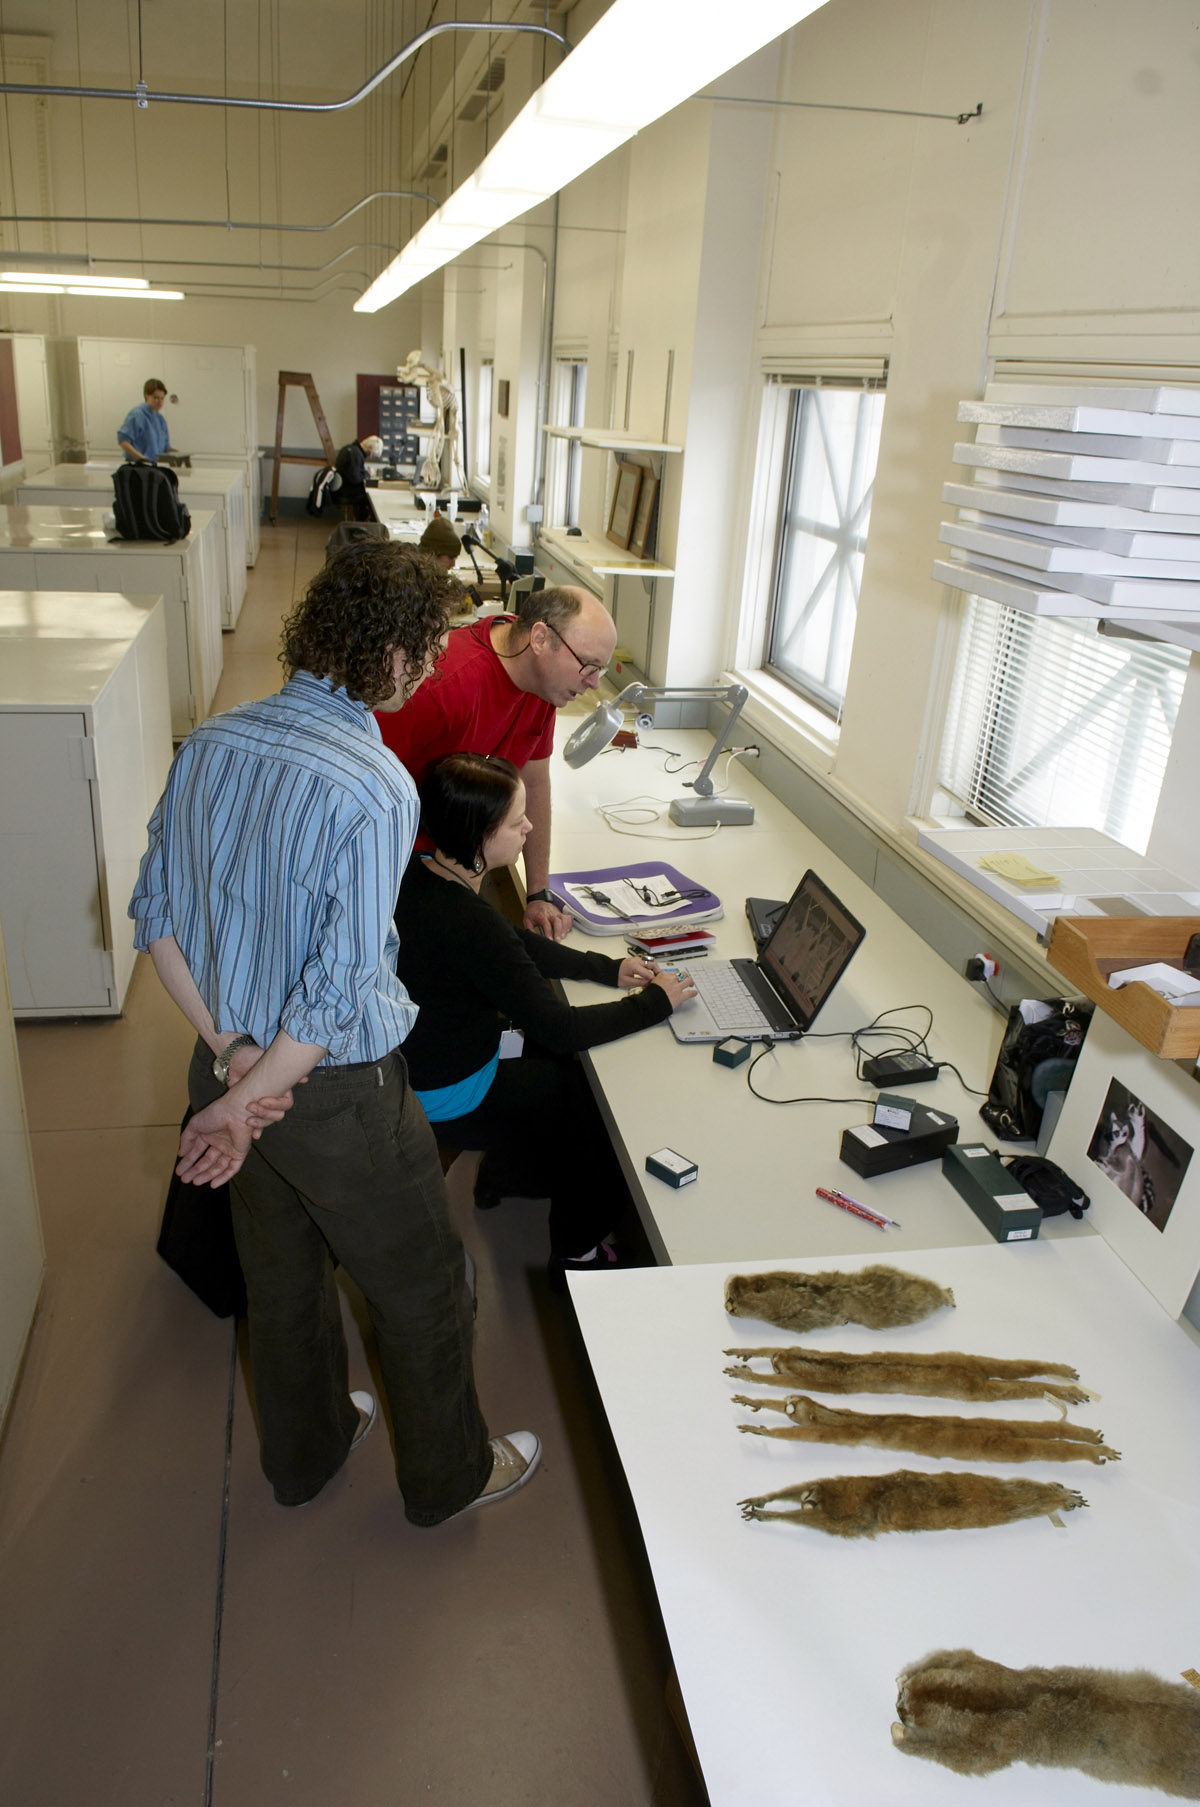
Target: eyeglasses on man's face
{"points": [[588, 668]]}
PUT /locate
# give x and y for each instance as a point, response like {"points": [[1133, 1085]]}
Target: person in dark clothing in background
{"points": [[351, 467]]}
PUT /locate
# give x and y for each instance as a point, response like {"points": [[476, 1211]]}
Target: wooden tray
{"points": [[1086, 949]]}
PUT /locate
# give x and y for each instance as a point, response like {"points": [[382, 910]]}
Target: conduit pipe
{"points": [[143, 95], [137, 219]]}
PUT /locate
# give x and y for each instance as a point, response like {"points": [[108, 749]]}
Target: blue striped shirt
{"points": [[275, 858], [145, 428]]}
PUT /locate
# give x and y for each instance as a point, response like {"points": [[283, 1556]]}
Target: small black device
{"points": [[871, 1149], [763, 913], [898, 1069]]}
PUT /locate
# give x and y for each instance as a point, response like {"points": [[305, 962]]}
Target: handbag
{"points": [[196, 1241]]}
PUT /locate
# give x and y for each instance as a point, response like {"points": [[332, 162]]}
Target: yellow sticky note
{"points": [[1020, 870]]}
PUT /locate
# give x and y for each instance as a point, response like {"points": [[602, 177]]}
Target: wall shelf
{"points": [[598, 557], [610, 439]]}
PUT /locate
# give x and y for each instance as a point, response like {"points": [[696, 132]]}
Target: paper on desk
{"points": [[1177, 987], [1020, 870], [624, 902]]}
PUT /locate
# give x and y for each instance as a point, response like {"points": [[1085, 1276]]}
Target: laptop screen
{"points": [[811, 948]]}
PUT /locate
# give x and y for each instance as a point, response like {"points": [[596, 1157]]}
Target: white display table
{"points": [[787, 1641], [219, 489], [85, 745], [68, 549]]}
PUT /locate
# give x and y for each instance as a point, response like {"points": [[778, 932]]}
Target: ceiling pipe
{"points": [[217, 263], [143, 95], [136, 219]]}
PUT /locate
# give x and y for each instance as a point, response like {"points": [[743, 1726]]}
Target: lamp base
{"points": [[710, 812]]}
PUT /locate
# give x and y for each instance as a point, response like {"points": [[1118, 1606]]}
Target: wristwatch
{"points": [[543, 896], [221, 1060]]}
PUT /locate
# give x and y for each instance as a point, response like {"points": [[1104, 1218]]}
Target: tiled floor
{"points": [[167, 1633]]}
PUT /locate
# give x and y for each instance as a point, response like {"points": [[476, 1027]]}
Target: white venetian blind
{"points": [[1053, 723]]}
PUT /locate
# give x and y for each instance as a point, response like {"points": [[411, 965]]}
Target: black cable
{"points": [[974, 1090], [767, 1049]]}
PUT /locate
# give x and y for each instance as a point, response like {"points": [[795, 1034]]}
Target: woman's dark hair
{"points": [[371, 599], [464, 799]]}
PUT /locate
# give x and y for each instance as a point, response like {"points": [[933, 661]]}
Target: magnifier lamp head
{"points": [[593, 734]]}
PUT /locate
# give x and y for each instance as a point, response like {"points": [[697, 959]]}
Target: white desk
{"points": [[786, 1641], [219, 489], [68, 549], [85, 746], [759, 1163]]}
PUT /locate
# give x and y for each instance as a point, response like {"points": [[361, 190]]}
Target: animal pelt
{"points": [[944, 1376], [976, 1716], [862, 1505], [967, 1439], [879, 1297]]}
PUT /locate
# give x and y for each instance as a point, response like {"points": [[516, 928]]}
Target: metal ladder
{"points": [[300, 379]]}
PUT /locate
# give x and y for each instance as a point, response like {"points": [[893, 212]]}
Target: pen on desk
{"points": [[856, 1210]]}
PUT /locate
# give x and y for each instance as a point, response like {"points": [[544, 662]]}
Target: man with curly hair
{"points": [[265, 901]]}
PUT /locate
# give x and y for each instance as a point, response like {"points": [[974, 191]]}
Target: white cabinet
{"points": [[67, 549], [85, 745], [219, 489], [32, 386]]}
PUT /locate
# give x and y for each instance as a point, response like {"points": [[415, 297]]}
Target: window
{"points": [[1053, 724], [829, 472], [565, 456], [483, 431]]}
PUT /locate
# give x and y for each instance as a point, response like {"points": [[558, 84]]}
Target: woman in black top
{"points": [[472, 973]]}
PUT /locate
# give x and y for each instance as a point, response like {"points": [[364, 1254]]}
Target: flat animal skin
{"points": [[976, 1716], [962, 1439], [861, 1505], [879, 1297], [945, 1376]]}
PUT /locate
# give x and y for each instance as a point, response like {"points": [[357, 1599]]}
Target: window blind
{"points": [[1051, 723]]}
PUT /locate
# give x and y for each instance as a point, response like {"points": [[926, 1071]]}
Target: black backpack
{"points": [[323, 489], [146, 504], [1035, 1058]]}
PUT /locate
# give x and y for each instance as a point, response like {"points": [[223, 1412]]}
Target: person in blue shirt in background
{"points": [[144, 435], [265, 901]]}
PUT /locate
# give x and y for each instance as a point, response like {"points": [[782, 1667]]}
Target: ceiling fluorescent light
{"points": [[33, 288], [81, 282], [639, 61], [126, 294]]}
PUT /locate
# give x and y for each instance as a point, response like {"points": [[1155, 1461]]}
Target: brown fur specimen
{"points": [[879, 1297], [976, 1716], [946, 1376], [862, 1505], [966, 1439]]}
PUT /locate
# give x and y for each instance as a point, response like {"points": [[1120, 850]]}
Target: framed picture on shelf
{"points": [[641, 539], [624, 503]]}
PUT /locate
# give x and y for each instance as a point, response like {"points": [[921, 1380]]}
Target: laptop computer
{"points": [[777, 996]]}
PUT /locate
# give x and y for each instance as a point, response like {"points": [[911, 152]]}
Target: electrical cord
{"points": [[906, 1040], [769, 1048]]}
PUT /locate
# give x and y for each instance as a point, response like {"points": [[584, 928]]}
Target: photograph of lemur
{"points": [[1140, 1153]]}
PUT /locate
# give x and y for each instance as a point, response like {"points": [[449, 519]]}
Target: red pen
{"points": [[856, 1210]]}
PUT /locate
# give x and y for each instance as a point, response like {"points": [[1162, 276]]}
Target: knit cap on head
{"points": [[440, 539]]}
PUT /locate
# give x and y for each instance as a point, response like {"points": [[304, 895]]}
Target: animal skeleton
{"points": [[879, 1297], [943, 1376], [977, 1716], [860, 1505], [966, 1439], [444, 403]]}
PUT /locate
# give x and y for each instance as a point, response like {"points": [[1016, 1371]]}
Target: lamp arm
{"points": [[735, 695]]}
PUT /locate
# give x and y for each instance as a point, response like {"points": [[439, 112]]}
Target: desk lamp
{"points": [[701, 811], [506, 571]]}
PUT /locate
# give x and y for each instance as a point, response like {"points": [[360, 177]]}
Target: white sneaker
{"points": [[514, 1459], [364, 1403]]}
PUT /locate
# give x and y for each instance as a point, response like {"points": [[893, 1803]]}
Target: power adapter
{"points": [[899, 1069]]}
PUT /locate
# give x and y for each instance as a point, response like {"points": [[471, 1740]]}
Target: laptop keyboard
{"points": [[729, 1003]]}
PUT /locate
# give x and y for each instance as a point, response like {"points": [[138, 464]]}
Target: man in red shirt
{"points": [[496, 691]]}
